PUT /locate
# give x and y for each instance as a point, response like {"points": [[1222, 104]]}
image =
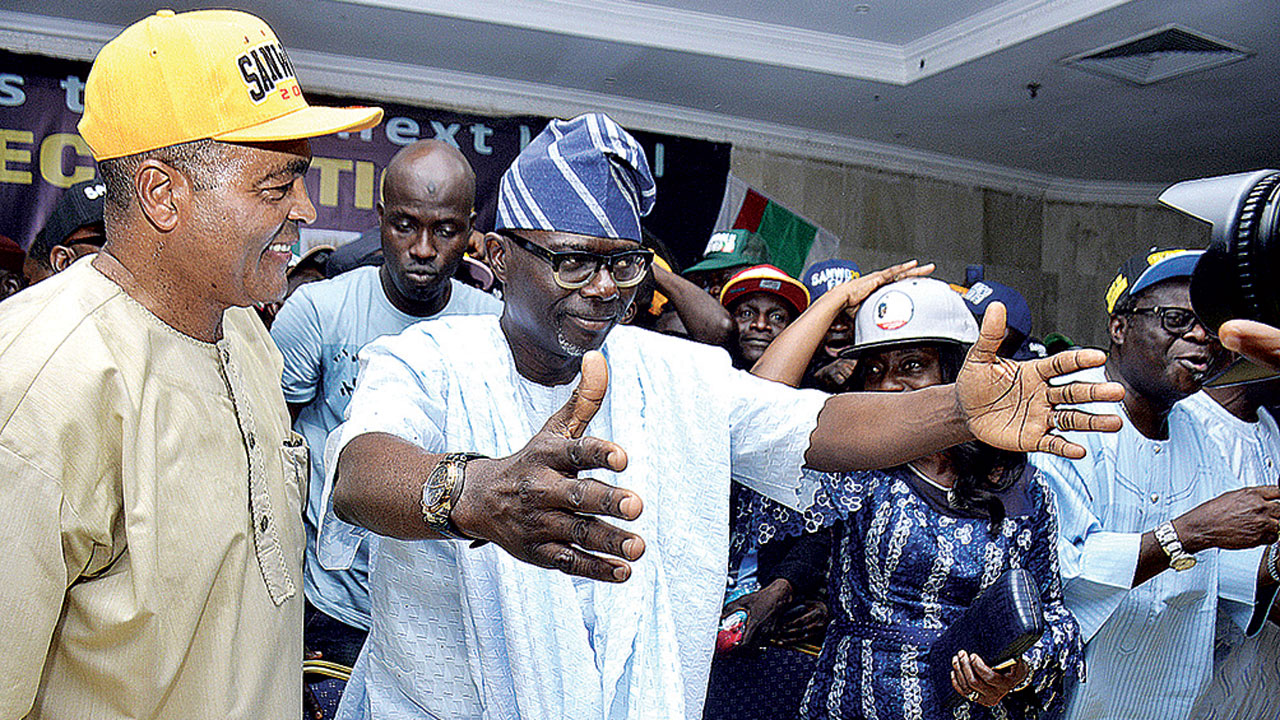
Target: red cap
{"points": [[769, 279]]}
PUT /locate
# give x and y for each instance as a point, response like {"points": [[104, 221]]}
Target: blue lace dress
{"points": [[903, 566]]}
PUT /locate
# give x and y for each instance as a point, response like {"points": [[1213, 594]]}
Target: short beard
{"points": [[570, 348]]}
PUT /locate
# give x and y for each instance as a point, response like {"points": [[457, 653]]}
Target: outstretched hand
{"points": [[1256, 341], [860, 288], [1011, 405], [534, 505]]}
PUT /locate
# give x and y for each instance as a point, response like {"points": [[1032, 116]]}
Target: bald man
{"points": [[425, 211]]}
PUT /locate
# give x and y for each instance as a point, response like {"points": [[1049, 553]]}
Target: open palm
{"points": [[1011, 404]]}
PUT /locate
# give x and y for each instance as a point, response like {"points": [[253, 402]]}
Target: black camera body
{"points": [[1239, 274]]}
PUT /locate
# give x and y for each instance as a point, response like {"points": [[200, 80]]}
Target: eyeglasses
{"points": [[1174, 320], [575, 268]]}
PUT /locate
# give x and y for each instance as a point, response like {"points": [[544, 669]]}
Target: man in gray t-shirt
{"points": [[425, 212]]}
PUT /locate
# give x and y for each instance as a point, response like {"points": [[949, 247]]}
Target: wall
{"points": [[1060, 255]]}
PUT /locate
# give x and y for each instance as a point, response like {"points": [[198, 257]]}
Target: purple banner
{"points": [[41, 100]]}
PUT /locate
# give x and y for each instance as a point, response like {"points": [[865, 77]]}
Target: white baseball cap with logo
{"points": [[910, 311]]}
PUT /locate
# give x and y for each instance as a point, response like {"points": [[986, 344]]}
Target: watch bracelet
{"points": [[1172, 544], [1026, 681], [458, 461]]}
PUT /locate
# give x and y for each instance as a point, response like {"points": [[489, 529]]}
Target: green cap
{"points": [[729, 248]]}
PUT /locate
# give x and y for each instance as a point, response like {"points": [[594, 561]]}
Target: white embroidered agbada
{"points": [[462, 632]]}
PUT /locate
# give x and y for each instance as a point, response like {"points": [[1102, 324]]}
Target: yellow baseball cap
{"points": [[221, 74]]}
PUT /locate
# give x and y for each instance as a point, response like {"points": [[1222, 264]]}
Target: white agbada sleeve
{"points": [[770, 426], [390, 397]]}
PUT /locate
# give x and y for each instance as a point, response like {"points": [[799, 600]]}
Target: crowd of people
{"points": [[536, 471]]}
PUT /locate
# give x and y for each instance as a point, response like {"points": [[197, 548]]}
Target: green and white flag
{"points": [[793, 243]]}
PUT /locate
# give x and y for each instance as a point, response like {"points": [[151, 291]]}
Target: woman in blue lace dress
{"points": [[915, 545]]}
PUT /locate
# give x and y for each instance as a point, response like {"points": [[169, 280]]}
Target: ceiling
{"points": [[920, 84]]}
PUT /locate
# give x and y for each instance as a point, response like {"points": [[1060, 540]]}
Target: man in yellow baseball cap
{"points": [[151, 484]]}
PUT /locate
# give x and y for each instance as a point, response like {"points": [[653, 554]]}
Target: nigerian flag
{"points": [[792, 242]]}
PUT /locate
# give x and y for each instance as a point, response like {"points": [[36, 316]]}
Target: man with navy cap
{"points": [[1153, 535], [1017, 340], [73, 230], [477, 429], [828, 370]]}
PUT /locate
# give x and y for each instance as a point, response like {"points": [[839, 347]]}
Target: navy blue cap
{"points": [[79, 206], [985, 292], [822, 276], [586, 176], [1148, 268]]}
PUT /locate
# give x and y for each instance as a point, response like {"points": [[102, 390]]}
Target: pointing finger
{"points": [[1254, 340], [571, 420], [587, 453]]}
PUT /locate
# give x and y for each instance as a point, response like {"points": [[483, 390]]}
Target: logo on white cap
{"points": [[894, 310]]}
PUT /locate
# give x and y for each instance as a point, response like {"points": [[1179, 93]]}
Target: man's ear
{"points": [[161, 191], [1116, 328], [61, 257], [496, 255]]}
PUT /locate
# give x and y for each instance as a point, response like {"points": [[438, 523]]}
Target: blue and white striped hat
{"points": [[586, 176]]}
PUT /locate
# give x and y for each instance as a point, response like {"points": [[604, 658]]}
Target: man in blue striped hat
{"points": [[477, 428]]}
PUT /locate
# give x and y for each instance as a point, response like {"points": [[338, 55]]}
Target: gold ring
{"points": [[973, 696]]}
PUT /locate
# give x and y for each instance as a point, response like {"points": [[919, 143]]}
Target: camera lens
{"points": [[1236, 276]]}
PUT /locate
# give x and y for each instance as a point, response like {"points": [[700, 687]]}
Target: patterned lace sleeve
{"points": [[760, 520], [1059, 654]]}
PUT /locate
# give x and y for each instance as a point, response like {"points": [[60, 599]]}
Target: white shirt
{"points": [[1246, 672], [1149, 649], [473, 633]]}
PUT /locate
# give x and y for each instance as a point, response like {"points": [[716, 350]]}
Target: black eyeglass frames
{"points": [[1174, 320], [575, 268]]}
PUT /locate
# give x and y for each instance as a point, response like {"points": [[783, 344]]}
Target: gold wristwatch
{"points": [[441, 491], [1179, 559]]}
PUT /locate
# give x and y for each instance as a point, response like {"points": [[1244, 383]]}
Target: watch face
{"points": [[1184, 563], [432, 494]]}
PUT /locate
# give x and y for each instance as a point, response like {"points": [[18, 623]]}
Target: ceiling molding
{"points": [[656, 26], [994, 29], [417, 85]]}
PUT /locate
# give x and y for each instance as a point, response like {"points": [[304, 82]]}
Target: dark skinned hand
{"points": [[762, 608], [836, 373], [970, 674], [1256, 341], [1011, 405], [807, 622], [535, 506], [1235, 520]]}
